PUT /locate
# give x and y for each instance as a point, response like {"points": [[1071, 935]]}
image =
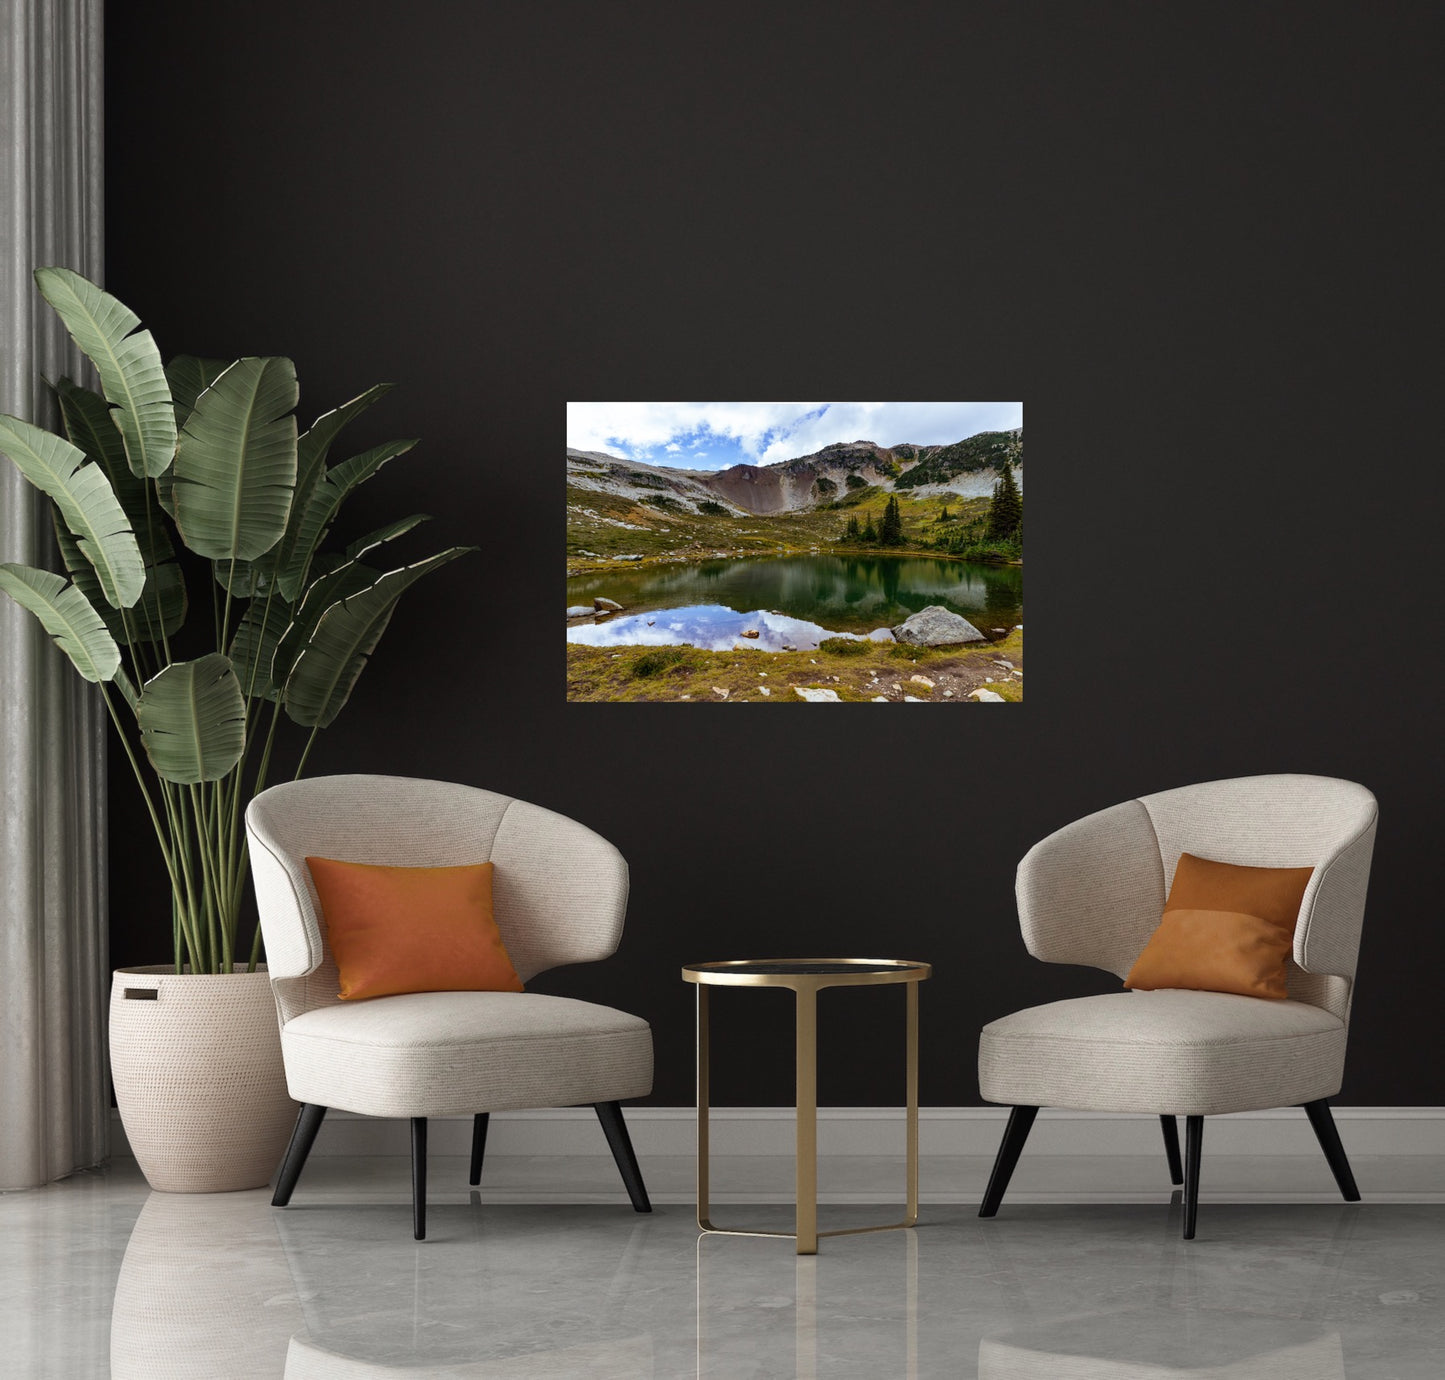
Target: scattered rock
{"points": [[936, 626], [788, 647], [1018, 627], [880, 699], [718, 690], [764, 674], [627, 558], [817, 696], [763, 690], [948, 694], [913, 699], [988, 697], [580, 611], [1008, 664], [684, 697], [922, 680], [1000, 630], [651, 621], [611, 605], [748, 632]]}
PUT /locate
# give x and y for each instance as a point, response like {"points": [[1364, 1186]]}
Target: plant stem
{"points": [[255, 948], [208, 875], [305, 753], [163, 837], [181, 827]]}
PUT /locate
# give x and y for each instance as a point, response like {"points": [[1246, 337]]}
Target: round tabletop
{"points": [[806, 972]]}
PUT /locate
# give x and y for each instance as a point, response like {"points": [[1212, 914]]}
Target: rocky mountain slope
{"points": [[967, 468]]}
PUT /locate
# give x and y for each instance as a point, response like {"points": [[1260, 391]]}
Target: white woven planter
{"points": [[198, 1078]]}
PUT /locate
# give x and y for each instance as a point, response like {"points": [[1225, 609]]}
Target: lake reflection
{"points": [[712, 627], [792, 599]]}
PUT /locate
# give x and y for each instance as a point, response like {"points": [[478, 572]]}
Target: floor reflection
{"points": [[1163, 1345], [735, 1308], [225, 1287], [203, 1291]]}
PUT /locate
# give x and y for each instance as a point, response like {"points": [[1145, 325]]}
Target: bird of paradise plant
{"points": [[206, 451]]}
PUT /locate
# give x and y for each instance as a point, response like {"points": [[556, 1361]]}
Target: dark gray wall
{"points": [[1189, 237]]}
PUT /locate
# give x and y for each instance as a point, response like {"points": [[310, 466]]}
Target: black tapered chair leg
{"points": [[1171, 1148], [479, 1146], [1323, 1121], [1020, 1122], [1193, 1150], [418, 1177], [615, 1129], [308, 1123]]}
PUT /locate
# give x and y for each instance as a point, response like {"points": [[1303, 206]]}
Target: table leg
{"points": [[704, 1209], [912, 1215], [806, 1056]]}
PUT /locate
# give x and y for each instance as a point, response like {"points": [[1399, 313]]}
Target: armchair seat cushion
{"points": [[456, 1053], [1168, 1052]]}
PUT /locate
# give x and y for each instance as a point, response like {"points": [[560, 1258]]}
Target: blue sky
{"points": [[715, 435]]}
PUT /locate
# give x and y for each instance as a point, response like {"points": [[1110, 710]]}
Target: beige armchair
{"points": [[560, 895], [1092, 894]]}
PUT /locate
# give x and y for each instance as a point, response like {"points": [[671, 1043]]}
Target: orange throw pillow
{"points": [[412, 929], [1226, 928]]}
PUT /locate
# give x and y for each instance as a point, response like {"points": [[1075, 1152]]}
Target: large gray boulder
{"points": [[936, 626], [611, 605], [579, 611]]}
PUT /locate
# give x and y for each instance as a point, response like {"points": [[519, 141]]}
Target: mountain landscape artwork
{"points": [[793, 553]]}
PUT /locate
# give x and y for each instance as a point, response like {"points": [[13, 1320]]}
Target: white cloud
{"points": [[766, 432]]}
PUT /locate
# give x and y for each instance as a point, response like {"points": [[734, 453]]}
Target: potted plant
{"points": [[204, 453]]}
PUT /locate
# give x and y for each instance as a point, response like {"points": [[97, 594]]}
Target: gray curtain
{"points": [[54, 1098]]}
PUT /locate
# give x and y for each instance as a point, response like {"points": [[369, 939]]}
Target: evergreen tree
{"points": [[943, 515], [890, 533], [1006, 512], [870, 533], [851, 532]]}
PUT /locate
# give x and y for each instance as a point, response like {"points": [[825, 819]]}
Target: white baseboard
{"points": [[944, 1131]]}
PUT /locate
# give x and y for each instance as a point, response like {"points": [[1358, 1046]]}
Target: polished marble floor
{"points": [[100, 1277]]}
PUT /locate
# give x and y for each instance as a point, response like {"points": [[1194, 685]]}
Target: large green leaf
{"points": [[193, 720], [236, 467], [322, 505], [357, 549], [159, 613], [254, 645], [189, 376], [346, 635], [350, 577], [88, 424], [86, 502], [294, 552], [131, 374], [245, 579], [67, 616]]}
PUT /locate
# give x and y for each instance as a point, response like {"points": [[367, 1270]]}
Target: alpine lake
{"points": [[790, 601]]}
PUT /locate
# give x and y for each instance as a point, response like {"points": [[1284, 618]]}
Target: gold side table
{"points": [[806, 976]]}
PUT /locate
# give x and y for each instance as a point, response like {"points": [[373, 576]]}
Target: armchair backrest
{"points": [[559, 891], [1093, 892]]}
